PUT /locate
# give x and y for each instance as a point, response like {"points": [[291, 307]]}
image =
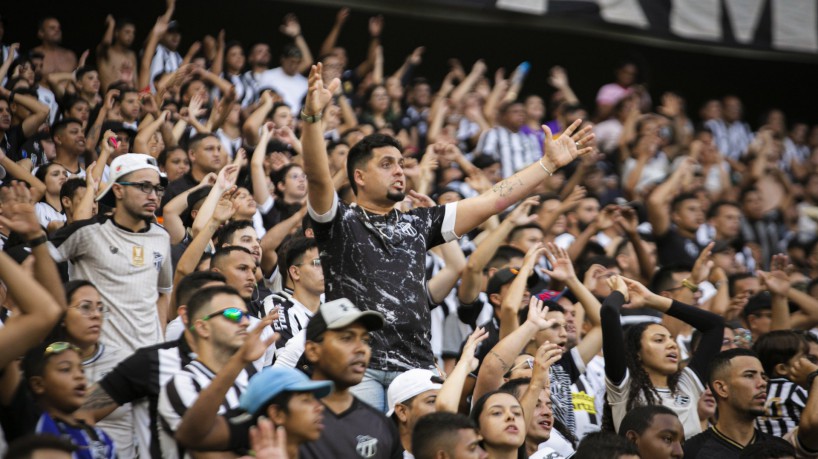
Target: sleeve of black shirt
{"points": [[712, 328], [613, 340], [468, 312], [128, 381], [434, 221]]}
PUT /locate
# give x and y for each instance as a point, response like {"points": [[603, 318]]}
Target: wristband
{"points": [[310, 118], [690, 285], [38, 241], [544, 168]]}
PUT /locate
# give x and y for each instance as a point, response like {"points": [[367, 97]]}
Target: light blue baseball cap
{"points": [[272, 381]]}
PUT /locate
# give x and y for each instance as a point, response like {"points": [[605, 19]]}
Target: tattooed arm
{"points": [[98, 405], [557, 153]]}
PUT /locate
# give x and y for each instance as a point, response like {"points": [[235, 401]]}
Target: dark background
{"points": [[761, 84]]}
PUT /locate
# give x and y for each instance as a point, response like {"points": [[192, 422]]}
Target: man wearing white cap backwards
{"points": [[126, 255]]}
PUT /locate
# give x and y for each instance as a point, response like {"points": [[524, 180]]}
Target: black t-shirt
{"points": [[676, 250], [12, 141], [379, 263], [712, 444], [177, 187], [360, 431]]}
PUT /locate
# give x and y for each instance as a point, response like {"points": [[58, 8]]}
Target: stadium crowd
{"points": [[237, 250]]}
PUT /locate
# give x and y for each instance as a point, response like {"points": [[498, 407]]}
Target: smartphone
{"points": [[113, 142]]}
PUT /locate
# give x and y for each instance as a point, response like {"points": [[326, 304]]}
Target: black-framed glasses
{"points": [[314, 262], [146, 187], [59, 347], [234, 315], [87, 308]]}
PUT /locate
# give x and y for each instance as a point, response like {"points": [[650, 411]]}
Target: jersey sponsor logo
{"points": [[367, 446], [583, 402], [681, 400]]}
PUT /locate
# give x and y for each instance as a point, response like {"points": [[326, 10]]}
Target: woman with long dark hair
{"points": [[642, 365]]}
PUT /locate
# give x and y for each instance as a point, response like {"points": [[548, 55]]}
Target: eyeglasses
{"points": [[146, 187], [87, 309], [525, 363], [58, 348], [314, 262], [234, 315]]}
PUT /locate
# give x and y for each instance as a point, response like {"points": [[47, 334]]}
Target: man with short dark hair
{"points": [[513, 148], [446, 436], [655, 430], [219, 322], [206, 156], [605, 445], [337, 348], [69, 141], [739, 385], [375, 255], [126, 255]]}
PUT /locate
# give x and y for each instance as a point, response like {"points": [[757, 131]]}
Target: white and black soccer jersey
{"points": [[129, 269], [379, 263], [292, 316], [181, 392], [139, 380], [360, 431], [782, 411]]}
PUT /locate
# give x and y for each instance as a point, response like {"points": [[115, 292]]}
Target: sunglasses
{"points": [[234, 315], [59, 347]]}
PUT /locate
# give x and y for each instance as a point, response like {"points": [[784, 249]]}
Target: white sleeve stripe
{"points": [[449, 220], [329, 215]]}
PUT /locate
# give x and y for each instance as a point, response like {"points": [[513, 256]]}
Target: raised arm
{"points": [[558, 78], [547, 355], [4, 68], [19, 172], [659, 201], [259, 179], [145, 74], [37, 116], [316, 165], [448, 399], [256, 119], [38, 311], [292, 28], [778, 284], [557, 153], [332, 37], [563, 271], [472, 278], [145, 134], [499, 359], [510, 306]]}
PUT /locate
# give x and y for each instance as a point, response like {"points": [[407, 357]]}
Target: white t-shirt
{"points": [[556, 447], [47, 214], [684, 402], [291, 88]]}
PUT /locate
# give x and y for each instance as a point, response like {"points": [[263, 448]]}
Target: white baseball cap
{"points": [[409, 384], [124, 165]]}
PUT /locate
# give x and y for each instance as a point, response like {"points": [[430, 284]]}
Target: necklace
{"points": [[384, 230]]}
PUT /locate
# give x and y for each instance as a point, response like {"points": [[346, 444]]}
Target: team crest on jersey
{"points": [[158, 258], [681, 400], [367, 446]]}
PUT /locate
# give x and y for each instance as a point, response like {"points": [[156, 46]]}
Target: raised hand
{"points": [[318, 96], [703, 265], [537, 312], [568, 146], [776, 282], [558, 78], [467, 356], [341, 16], [254, 347], [638, 295], [562, 266], [195, 109], [607, 217], [225, 208], [593, 275], [627, 220], [18, 211], [800, 371], [417, 56], [291, 27], [375, 26], [267, 441], [547, 354], [519, 216], [227, 176], [617, 284]]}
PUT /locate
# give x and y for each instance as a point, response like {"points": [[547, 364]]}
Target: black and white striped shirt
{"points": [[139, 380], [164, 61], [514, 150], [292, 317], [785, 402], [181, 392]]}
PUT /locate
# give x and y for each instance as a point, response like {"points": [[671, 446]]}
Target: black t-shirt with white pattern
{"points": [[378, 262]]}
